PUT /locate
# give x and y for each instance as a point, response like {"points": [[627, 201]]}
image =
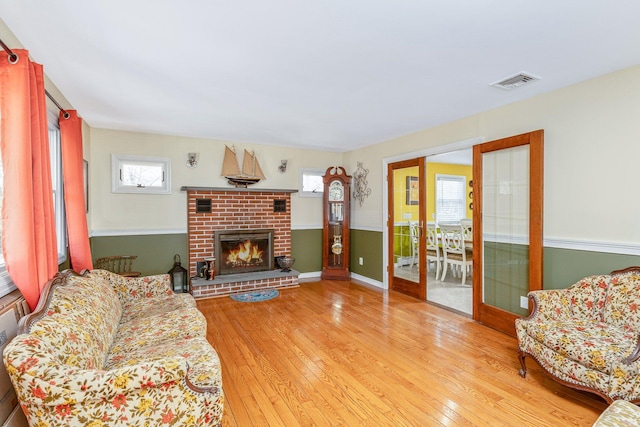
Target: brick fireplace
{"points": [[220, 211]]}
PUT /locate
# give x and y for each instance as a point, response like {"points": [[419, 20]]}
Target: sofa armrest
{"points": [[88, 387], [129, 288], [550, 304], [634, 356]]}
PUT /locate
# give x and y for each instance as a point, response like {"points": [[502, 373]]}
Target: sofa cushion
{"points": [[183, 323], [622, 307], [588, 297], [81, 321], [128, 288], [139, 308], [595, 345]]}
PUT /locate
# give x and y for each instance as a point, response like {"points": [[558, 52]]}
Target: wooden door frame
{"points": [[405, 286], [494, 317]]}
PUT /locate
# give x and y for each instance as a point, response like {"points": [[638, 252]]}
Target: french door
{"points": [[406, 227], [507, 227]]}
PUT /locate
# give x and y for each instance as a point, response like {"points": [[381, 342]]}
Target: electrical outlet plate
{"points": [[361, 261], [524, 302]]}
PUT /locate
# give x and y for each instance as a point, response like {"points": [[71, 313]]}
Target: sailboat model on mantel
{"points": [[251, 172]]}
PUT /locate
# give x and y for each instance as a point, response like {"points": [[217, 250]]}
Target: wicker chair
{"points": [[120, 264]]}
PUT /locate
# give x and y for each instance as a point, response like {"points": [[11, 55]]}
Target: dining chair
{"points": [[467, 230], [455, 253], [433, 248], [414, 235]]}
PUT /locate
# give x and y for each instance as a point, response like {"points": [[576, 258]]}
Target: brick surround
{"points": [[236, 209]]}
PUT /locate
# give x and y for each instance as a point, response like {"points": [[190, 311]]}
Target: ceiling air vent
{"points": [[515, 81]]}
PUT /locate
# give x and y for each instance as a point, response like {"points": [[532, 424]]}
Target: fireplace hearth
{"points": [[243, 251]]}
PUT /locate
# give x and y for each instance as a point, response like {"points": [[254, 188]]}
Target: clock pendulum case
{"points": [[335, 232]]}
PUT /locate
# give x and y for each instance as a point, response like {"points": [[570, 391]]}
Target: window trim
{"points": [[302, 172], [117, 162]]}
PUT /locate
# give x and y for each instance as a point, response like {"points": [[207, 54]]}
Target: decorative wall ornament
{"points": [[360, 189]]}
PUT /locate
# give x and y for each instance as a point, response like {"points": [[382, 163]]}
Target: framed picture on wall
{"points": [[413, 190]]}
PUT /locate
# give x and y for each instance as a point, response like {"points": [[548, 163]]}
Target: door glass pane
{"points": [[405, 223], [505, 228]]}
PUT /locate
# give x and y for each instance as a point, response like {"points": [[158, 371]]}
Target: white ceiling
{"points": [[332, 74]]}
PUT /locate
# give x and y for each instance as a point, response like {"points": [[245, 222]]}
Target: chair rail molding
{"points": [[592, 246], [137, 232]]}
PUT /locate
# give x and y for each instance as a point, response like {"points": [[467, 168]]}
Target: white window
{"points": [[56, 182], [450, 197], [311, 184], [140, 174]]}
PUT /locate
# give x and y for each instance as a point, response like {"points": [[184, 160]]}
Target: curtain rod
{"points": [[13, 58]]}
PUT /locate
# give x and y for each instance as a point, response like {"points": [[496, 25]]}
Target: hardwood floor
{"points": [[339, 353]]}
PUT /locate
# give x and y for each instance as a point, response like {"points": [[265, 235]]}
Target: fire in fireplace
{"points": [[243, 251]]}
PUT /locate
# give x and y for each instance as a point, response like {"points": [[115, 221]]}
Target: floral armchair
{"points": [[101, 349], [588, 335]]}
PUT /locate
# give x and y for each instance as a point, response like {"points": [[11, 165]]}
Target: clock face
{"points": [[336, 191]]}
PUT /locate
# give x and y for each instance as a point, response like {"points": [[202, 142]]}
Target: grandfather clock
{"points": [[335, 232]]}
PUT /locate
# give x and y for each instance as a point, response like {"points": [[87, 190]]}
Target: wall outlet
{"points": [[407, 215], [524, 302], [361, 261]]}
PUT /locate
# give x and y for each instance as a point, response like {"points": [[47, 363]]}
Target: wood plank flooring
{"points": [[333, 353]]}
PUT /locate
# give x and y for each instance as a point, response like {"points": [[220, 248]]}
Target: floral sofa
{"points": [[588, 335], [101, 349]]}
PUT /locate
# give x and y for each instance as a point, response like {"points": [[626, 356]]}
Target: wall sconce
{"points": [[360, 189], [283, 166], [192, 160]]}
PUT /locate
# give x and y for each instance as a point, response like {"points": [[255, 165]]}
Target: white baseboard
{"points": [[310, 275], [354, 276], [368, 281]]}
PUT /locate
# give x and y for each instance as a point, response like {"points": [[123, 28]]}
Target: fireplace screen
{"points": [[243, 251]]}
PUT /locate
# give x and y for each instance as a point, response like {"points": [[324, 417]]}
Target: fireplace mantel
{"points": [[241, 189]]}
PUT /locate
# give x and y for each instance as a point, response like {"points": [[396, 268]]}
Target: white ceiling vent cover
{"points": [[514, 81]]}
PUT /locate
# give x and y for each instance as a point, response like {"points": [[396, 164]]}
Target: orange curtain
{"points": [[28, 221], [74, 200]]}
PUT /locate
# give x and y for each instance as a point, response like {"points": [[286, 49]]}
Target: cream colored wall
{"points": [[369, 215], [592, 134], [130, 213]]}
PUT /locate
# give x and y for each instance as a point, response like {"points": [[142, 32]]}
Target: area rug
{"points": [[256, 296]]}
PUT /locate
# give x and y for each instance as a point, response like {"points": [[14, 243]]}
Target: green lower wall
{"points": [[368, 245], [306, 248], [155, 252], [562, 267]]}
